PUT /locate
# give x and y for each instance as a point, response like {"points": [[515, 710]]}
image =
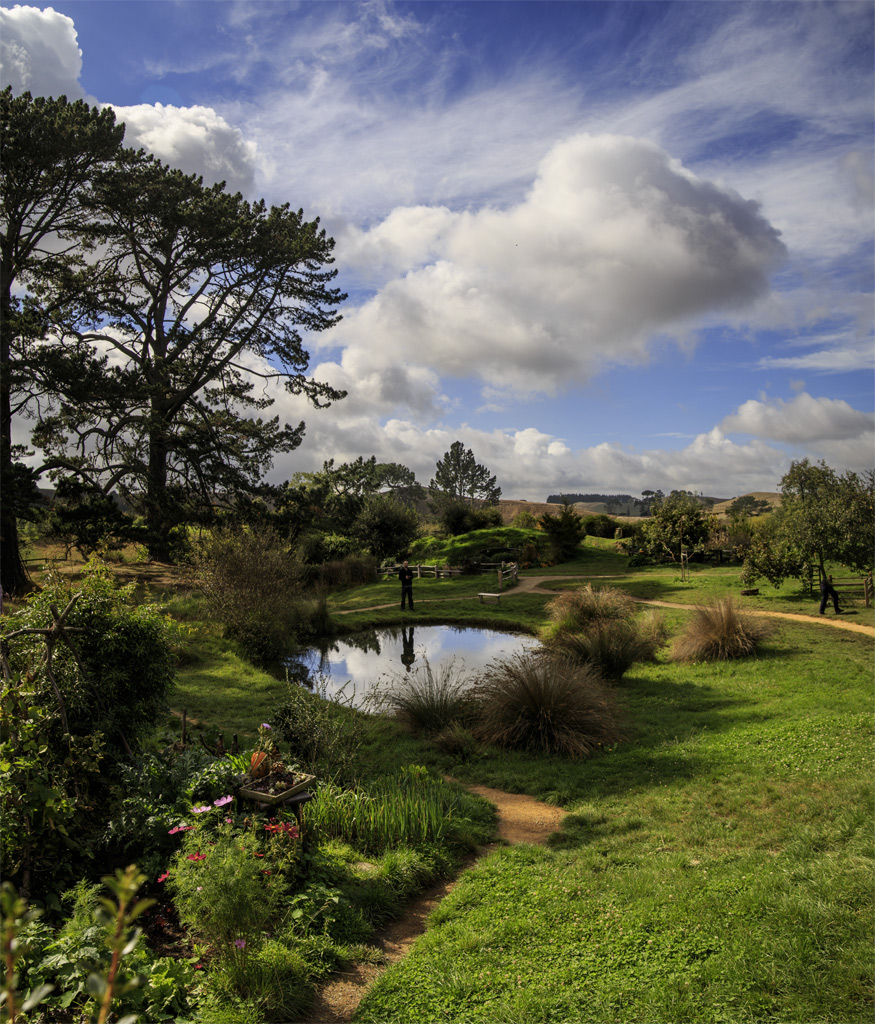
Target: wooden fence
{"points": [[851, 585], [507, 571]]}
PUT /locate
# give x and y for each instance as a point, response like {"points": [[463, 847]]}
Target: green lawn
{"points": [[717, 866]]}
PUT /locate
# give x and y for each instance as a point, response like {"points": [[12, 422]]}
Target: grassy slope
{"points": [[717, 867]]}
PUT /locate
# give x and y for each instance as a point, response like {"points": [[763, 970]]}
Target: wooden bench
{"points": [[496, 596]]}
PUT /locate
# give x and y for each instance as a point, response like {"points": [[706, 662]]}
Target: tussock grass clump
{"points": [[719, 632], [576, 609], [538, 702], [428, 700], [610, 646]]}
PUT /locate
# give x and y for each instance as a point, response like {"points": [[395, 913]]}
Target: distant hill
{"points": [[772, 497]]}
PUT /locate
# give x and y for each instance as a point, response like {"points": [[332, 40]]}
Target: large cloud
{"points": [[39, 52], [197, 140], [615, 243], [802, 420]]}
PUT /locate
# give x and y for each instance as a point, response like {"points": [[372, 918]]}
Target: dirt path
{"points": [[533, 584], [521, 819]]}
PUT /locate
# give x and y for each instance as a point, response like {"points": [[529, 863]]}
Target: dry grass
{"points": [[537, 702], [720, 632], [576, 609]]}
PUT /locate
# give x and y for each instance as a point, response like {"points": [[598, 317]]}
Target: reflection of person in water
{"points": [[407, 655]]}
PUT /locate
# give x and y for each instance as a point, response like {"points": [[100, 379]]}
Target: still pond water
{"points": [[361, 662]]}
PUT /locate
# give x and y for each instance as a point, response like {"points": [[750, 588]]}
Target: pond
{"points": [[361, 662]]}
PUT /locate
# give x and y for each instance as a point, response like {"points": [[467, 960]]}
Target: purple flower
{"points": [[200, 810], [222, 801], [264, 725], [240, 943]]}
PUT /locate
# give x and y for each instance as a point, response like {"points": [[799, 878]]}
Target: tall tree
{"points": [[198, 297], [49, 152], [459, 477]]}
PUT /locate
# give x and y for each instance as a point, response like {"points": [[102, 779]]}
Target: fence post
{"points": [[499, 577], [867, 590]]}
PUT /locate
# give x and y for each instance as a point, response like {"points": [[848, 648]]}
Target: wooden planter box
{"points": [[273, 799]]}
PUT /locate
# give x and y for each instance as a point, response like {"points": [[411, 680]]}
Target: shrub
{"points": [[347, 572], [611, 646], [254, 586], [548, 704], [323, 734], [426, 699], [719, 632], [600, 525]]}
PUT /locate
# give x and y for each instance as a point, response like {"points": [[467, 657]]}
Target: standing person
{"points": [[828, 592], [406, 577]]}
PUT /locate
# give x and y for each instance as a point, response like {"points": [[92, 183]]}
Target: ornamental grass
{"points": [[609, 646], [547, 704], [720, 632], [428, 700], [577, 609]]}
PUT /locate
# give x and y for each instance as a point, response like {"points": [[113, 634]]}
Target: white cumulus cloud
{"points": [[801, 420], [39, 52], [614, 243]]}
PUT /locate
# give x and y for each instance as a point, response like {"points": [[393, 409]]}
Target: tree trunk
{"points": [[157, 520], [13, 575]]}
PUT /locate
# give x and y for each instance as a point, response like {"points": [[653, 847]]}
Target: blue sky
{"points": [[609, 246]]}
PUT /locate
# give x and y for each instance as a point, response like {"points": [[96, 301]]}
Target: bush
{"points": [[323, 735], [253, 585], [547, 704], [351, 571], [719, 632], [610, 646], [600, 525], [428, 700]]}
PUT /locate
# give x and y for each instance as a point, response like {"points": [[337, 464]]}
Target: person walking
{"points": [[406, 577], [828, 592]]}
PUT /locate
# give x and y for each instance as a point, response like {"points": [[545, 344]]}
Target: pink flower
{"points": [[240, 943], [222, 801], [196, 856], [180, 828], [162, 878], [200, 810]]}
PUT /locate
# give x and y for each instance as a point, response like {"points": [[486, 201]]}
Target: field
{"points": [[715, 865]]}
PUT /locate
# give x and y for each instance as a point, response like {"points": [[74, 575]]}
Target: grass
{"points": [[717, 867], [719, 632], [714, 867]]}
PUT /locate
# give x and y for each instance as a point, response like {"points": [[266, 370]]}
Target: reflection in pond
{"points": [[362, 661]]}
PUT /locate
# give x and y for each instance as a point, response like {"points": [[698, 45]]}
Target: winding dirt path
{"points": [[521, 819], [535, 584]]}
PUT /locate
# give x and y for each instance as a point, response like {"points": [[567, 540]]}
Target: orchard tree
{"points": [[49, 152], [823, 516], [677, 521], [459, 477], [198, 297]]}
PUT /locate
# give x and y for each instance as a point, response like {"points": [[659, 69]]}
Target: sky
{"points": [[607, 246]]}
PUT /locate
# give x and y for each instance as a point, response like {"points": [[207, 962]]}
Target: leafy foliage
{"points": [[823, 516], [50, 151], [676, 522], [565, 529], [386, 526]]}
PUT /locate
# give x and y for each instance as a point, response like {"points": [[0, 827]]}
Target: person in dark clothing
{"points": [[827, 593], [406, 577]]}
